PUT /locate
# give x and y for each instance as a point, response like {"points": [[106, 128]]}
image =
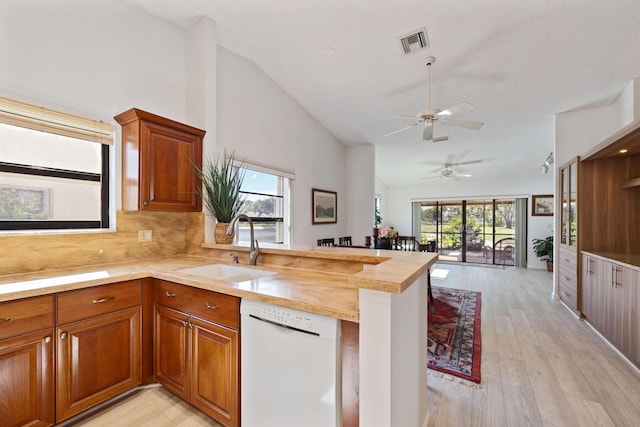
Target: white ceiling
{"points": [[518, 62]]}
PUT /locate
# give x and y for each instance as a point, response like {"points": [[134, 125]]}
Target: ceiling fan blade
{"points": [[402, 116], [462, 123], [427, 135], [431, 177], [465, 163], [398, 131], [456, 109], [440, 139]]}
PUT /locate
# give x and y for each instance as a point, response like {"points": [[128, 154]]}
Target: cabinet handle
{"points": [[190, 325], [145, 203], [101, 300], [63, 335], [184, 324], [565, 278], [169, 294], [47, 340], [565, 259], [5, 320], [211, 307], [564, 293]]}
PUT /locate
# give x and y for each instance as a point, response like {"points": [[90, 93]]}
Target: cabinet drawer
{"points": [[25, 315], [568, 256], [90, 302], [213, 306], [569, 295]]}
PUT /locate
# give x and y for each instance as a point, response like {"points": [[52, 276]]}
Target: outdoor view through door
{"points": [[477, 231]]}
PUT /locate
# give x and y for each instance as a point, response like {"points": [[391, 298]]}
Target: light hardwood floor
{"points": [[540, 367], [150, 407]]}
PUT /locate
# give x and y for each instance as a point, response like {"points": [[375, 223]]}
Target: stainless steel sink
{"points": [[228, 273]]}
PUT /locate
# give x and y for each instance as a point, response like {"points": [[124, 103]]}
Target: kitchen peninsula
{"points": [[382, 293]]}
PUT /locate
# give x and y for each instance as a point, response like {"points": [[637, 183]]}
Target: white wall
{"points": [[263, 124], [100, 58], [360, 188]]}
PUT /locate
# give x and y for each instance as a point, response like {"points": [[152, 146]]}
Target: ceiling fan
{"points": [[431, 116], [447, 172]]}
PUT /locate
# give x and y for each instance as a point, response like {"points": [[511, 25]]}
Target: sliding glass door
{"points": [[478, 231]]}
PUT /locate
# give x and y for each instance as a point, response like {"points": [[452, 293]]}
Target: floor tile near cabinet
{"points": [[153, 407]]}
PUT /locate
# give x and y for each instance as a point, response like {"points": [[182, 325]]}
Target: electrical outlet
{"points": [[144, 236]]}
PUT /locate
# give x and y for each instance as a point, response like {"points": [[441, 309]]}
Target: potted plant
{"points": [[220, 192], [543, 249]]}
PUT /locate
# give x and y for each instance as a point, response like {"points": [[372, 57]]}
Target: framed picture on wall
{"points": [[324, 206], [542, 205]]}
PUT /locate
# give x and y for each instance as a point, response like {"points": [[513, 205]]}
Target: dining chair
{"points": [[327, 242], [406, 243], [345, 241]]}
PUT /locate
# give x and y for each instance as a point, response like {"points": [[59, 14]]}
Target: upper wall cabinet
{"points": [[158, 157]]}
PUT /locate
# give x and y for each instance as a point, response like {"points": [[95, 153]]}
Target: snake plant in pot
{"points": [[543, 249], [221, 183]]}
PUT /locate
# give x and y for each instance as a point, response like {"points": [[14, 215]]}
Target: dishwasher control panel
{"points": [[316, 324]]}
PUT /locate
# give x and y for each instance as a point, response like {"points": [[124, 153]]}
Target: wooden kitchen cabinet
{"points": [[196, 348], [158, 156], [621, 324], [568, 264], [593, 307], [98, 345], [611, 303], [27, 363]]}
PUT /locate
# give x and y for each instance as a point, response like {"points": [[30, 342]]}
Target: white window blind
{"points": [[25, 115]]}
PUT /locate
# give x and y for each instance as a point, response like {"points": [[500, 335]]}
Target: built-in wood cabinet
{"points": [[567, 261], [612, 302], [158, 158], [27, 362], [196, 348], [99, 350]]}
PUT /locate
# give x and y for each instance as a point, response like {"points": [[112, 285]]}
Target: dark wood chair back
{"points": [[345, 241], [327, 242]]}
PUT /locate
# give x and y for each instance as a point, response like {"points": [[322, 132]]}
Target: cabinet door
{"points": [[168, 181], [624, 290], [592, 306], [214, 387], [98, 358], [26, 380], [171, 356]]}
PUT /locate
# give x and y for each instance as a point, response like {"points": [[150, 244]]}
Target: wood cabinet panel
{"points": [[592, 304], [97, 359], [91, 302], [158, 159], [215, 382], [213, 306], [171, 350], [25, 315], [198, 358], [611, 303], [27, 380], [608, 211]]}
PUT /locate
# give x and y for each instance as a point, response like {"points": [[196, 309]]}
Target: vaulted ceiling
{"points": [[518, 63]]}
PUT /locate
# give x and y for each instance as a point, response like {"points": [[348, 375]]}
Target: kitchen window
{"points": [[267, 195], [54, 169]]}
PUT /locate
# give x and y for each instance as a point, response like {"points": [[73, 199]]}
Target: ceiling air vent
{"points": [[414, 41]]}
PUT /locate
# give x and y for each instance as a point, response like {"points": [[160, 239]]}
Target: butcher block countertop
{"points": [[321, 280]]}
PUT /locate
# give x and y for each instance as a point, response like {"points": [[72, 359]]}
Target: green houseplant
{"points": [[543, 249], [220, 192]]}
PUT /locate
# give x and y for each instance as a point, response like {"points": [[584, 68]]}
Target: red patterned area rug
{"points": [[454, 333]]}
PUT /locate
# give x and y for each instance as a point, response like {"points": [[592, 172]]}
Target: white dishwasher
{"points": [[290, 367]]}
